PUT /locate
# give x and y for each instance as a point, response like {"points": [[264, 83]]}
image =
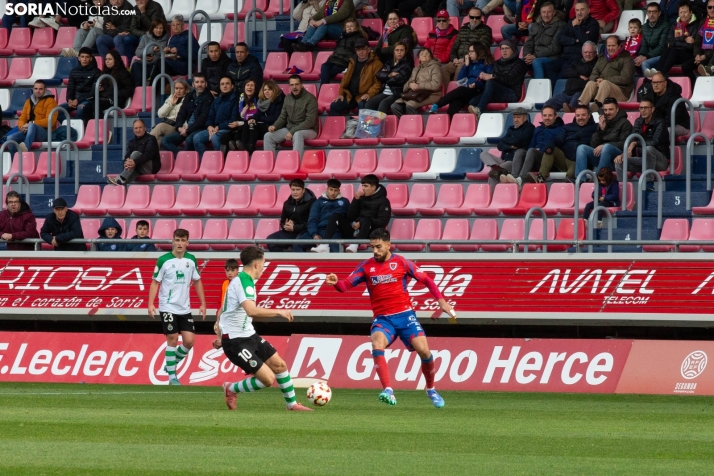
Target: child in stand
{"points": [[634, 41], [231, 268], [609, 192], [142, 233]]}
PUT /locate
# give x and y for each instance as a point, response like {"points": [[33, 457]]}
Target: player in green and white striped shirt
{"points": [[246, 349], [173, 275]]}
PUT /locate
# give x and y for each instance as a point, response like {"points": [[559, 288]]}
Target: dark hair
{"points": [[635, 21], [380, 234], [295, 76], [431, 53], [610, 100], [142, 223], [137, 120], [648, 100], [371, 179], [549, 107], [296, 182], [547, 4], [231, 264], [12, 194], [118, 63], [213, 43], [157, 22], [582, 106], [241, 43], [616, 38], [684, 3], [180, 233], [606, 175], [483, 52], [85, 51], [251, 254], [40, 81], [653, 5], [334, 183], [225, 76], [200, 75]]}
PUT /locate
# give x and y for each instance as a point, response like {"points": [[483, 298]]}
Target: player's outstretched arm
{"points": [[153, 290], [447, 308], [262, 313], [202, 297], [331, 279]]}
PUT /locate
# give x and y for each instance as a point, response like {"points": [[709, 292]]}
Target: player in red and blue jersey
{"points": [[386, 275]]}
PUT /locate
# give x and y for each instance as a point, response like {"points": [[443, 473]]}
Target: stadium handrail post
{"points": [[190, 43], [625, 157], [640, 187], [526, 233], [162, 76], [143, 69], [114, 109], [576, 210], [57, 110], [591, 226], [672, 125], [96, 102], [70, 146], [690, 146], [19, 168]]}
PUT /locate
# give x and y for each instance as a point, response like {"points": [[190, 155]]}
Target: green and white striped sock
{"points": [[181, 352], [286, 386], [251, 384], [171, 361]]}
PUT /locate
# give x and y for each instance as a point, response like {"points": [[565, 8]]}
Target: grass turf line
{"points": [[103, 429]]}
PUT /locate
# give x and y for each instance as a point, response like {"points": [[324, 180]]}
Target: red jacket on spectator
{"points": [[605, 10], [440, 43], [21, 225]]}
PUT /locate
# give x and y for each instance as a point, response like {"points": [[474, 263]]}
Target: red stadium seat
{"points": [[390, 161], [505, 195], [300, 60], [3, 62], [64, 39], [536, 233], [3, 37], [328, 93], [237, 202], [227, 42], [186, 164], [263, 197], [313, 161], [113, 196], [421, 196], [338, 161], [217, 229], [483, 229], [20, 38], [162, 197], [277, 208], [261, 162], [88, 196], [462, 125], [41, 38], [437, 125], [585, 196], [194, 226], [266, 227], [167, 165], [398, 194], [88, 140], [450, 196], [317, 188], [365, 162], [137, 196], [702, 230], [134, 107], [275, 64], [634, 104], [236, 163], [422, 27], [402, 229], [43, 167], [478, 195], [455, 229], [188, 197], [672, 229], [332, 129], [241, 229], [511, 229], [20, 68], [164, 230], [532, 195], [566, 232], [415, 161], [705, 210], [496, 22], [211, 163], [287, 162], [90, 228], [560, 195], [28, 164], [409, 126], [212, 197], [428, 229]]}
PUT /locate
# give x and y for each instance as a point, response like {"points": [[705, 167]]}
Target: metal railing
{"points": [[163, 77], [190, 43], [112, 110], [591, 226], [50, 122], [640, 186], [576, 210], [143, 69], [690, 146], [526, 233], [672, 125], [251, 16], [20, 176], [625, 157], [96, 102], [71, 145]]}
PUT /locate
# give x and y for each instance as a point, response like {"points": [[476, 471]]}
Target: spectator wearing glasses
{"points": [[663, 93], [475, 31], [654, 131], [541, 46], [612, 76], [654, 38], [608, 140], [576, 73], [442, 37], [17, 222]]}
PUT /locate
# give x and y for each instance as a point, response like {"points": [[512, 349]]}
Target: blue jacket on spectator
{"points": [[224, 109], [139, 247], [612, 193], [572, 135], [473, 70], [110, 222], [544, 136], [180, 42], [520, 138], [321, 211]]}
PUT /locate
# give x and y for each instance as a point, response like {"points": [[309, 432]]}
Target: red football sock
{"points": [[380, 364], [427, 368]]}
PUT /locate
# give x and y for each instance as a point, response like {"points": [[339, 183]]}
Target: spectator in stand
{"points": [[505, 84], [303, 12], [244, 67], [330, 203], [608, 140], [654, 38], [192, 116], [577, 74], [338, 61], [223, 112], [576, 32], [393, 75], [297, 121], [142, 233], [62, 6], [526, 13], [114, 66], [606, 12], [423, 88], [514, 143], [542, 142], [455, 7], [8, 21], [360, 83], [34, 119], [88, 31], [633, 43], [609, 193], [441, 39], [215, 66], [670, 10], [613, 75], [475, 31], [326, 23], [124, 30], [541, 47], [247, 108], [61, 226], [158, 33], [479, 60], [580, 131], [663, 93], [270, 104], [169, 111], [294, 217], [412, 8], [680, 44], [704, 41], [110, 230], [80, 87], [17, 222], [699, 8], [395, 31], [369, 210], [142, 156], [653, 130], [176, 50]]}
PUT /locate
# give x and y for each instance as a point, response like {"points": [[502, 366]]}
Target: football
{"points": [[319, 394]]}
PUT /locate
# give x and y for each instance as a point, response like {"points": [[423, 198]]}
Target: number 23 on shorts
{"points": [[167, 317]]}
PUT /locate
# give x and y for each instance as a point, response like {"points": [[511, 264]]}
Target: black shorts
{"points": [[248, 353], [174, 323]]}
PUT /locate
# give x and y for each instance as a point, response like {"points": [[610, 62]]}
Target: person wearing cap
{"points": [[505, 84], [61, 226], [442, 38], [612, 76], [359, 83], [475, 31], [514, 143], [142, 156], [541, 47]]}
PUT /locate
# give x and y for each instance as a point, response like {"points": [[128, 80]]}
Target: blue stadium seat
{"points": [[509, 123], [559, 86], [64, 66], [17, 101], [469, 161]]}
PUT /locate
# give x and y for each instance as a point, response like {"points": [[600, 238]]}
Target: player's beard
{"points": [[380, 258]]}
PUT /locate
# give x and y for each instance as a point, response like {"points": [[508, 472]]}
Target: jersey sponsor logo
{"points": [[382, 279], [320, 353], [180, 277]]}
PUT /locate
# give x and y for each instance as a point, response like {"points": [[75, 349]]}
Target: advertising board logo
{"points": [[694, 364], [322, 353]]}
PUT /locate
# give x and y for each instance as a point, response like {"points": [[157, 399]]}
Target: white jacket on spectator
{"points": [[168, 110]]}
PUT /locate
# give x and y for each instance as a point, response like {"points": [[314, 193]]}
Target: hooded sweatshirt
{"points": [[38, 110], [110, 222]]}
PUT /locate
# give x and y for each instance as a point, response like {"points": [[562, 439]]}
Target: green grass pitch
{"points": [[140, 430]]}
